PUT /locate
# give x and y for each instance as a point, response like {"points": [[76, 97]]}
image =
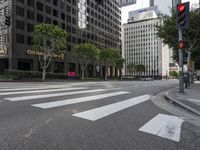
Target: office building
{"points": [[123, 3], [94, 21], [141, 45]]}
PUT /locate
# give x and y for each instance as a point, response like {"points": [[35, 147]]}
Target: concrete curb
{"points": [[177, 102]]}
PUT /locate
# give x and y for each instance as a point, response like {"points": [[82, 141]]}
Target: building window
{"points": [[39, 6], [20, 38], [21, 1], [30, 27], [55, 13], [20, 11], [55, 2], [19, 24], [30, 15], [29, 40], [48, 9], [31, 3], [39, 18], [47, 20]]}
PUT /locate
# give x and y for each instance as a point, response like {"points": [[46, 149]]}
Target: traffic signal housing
{"points": [[7, 20], [182, 15], [183, 44]]}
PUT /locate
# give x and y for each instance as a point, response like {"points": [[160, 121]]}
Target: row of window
{"points": [[39, 5]]}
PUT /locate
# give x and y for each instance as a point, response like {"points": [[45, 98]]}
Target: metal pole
{"points": [[10, 57], [181, 86]]}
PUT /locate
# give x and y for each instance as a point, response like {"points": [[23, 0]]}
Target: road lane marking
{"points": [[41, 91], [98, 113], [193, 100], [32, 88], [165, 126], [77, 100], [23, 98]]}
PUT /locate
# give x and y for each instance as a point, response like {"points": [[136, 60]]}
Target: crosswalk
{"points": [[56, 96]]}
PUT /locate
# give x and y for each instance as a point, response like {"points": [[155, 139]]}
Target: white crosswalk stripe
{"points": [[77, 100], [23, 98], [98, 113], [33, 88], [165, 126], [41, 91]]}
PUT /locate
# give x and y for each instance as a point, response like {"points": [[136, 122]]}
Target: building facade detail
{"points": [[142, 46], [93, 21]]}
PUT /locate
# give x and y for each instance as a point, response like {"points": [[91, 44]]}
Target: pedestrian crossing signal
{"points": [[182, 15]]}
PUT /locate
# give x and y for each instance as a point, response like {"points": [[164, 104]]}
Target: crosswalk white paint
{"points": [[41, 91], [32, 88], [77, 100], [23, 98], [165, 126], [98, 113]]}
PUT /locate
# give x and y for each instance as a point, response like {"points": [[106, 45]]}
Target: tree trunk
{"points": [[82, 74], [120, 74], [43, 74], [106, 74]]}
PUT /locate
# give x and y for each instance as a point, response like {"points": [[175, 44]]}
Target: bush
{"points": [[18, 74]]}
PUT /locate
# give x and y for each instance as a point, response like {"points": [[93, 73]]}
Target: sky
{"points": [[163, 6]]}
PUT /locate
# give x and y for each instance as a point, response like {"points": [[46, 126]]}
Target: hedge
{"points": [[18, 74]]}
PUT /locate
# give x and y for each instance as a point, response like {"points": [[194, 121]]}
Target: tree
{"points": [[140, 69], [169, 34], [120, 64], [131, 68], [85, 53], [48, 39], [173, 74], [108, 57]]}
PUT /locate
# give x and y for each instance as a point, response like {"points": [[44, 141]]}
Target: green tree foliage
{"points": [[140, 69], [85, 53], [174, 74], [48, 39], [108, 57], [120, 64], [169, 34], [131, 68]]}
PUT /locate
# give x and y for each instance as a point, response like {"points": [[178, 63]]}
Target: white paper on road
{"points": [[165, 126], [77, 100], [98, 113], [41, 91], [23, 98]]}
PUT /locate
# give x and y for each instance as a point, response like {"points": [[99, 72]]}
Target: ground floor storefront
{"points": [[57, 66]]}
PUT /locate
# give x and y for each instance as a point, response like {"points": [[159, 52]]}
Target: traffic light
{"points": [[183, 44], [182, 15], [7, 20]]}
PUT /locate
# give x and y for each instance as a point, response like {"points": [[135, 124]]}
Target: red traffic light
{"points": [[183, 44], [181, 7]]}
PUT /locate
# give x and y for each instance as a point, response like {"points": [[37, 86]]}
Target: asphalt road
{"points": [[88, 116]]}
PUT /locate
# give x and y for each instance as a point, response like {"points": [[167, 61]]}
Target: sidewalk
{"points": [[189, 100]]}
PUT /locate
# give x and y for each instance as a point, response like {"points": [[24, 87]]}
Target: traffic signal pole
{"points": [[181, 85]]}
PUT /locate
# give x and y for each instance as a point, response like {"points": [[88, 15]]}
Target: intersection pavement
{"points": [[90, 115]]}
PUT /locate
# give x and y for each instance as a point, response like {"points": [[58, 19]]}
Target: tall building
{"points": [[175, 2], [123, 3], [141, 45], [94, 21], [127, 7]]}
